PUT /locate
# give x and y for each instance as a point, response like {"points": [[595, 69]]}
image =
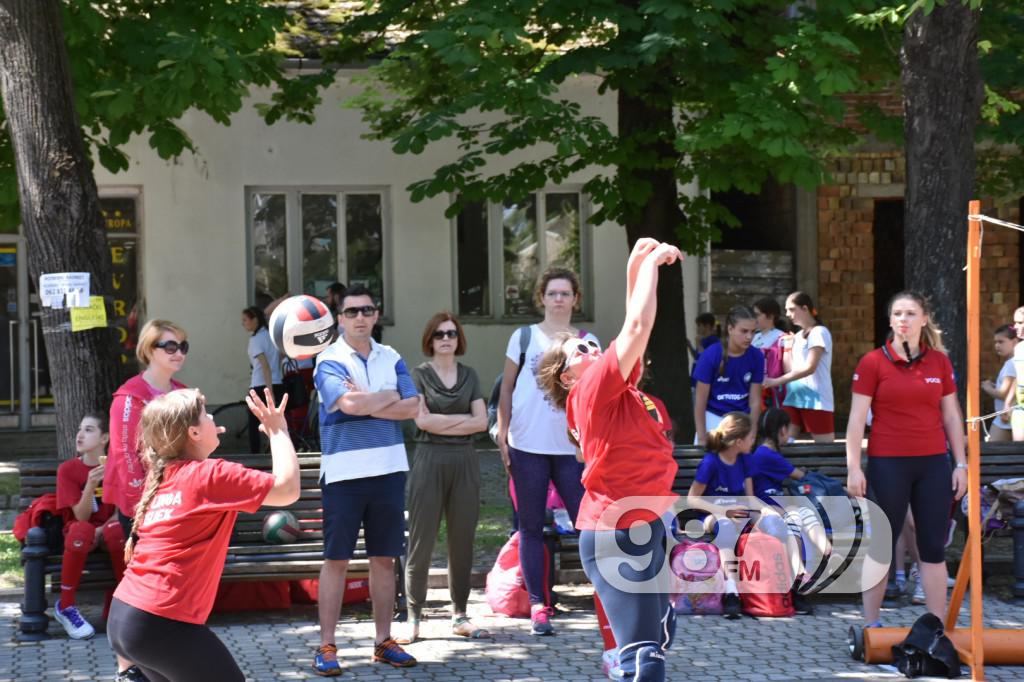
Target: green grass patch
{"points": [[10, 562], [10, 483]]}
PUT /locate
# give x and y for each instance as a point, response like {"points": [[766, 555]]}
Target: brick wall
{"points": [[846, 212]]}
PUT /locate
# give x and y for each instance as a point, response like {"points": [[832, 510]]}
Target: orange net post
{"points": [[972, 651]]}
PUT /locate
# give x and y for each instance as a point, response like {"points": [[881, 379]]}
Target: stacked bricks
{"points": [[846, 279], [846, 266]]}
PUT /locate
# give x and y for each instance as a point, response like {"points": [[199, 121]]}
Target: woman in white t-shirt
{"points": [[265, 361], [1002, 390], [808, 377], [533, 435]]}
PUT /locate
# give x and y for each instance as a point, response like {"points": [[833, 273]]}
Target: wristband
{"points": [[961, 465]]}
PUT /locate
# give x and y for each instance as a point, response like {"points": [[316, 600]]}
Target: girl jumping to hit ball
{"points": [[182, 527], [626, 455]]}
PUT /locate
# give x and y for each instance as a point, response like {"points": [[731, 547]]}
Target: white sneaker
{"points": [[950, 582], [918, 596], [74, 624], [610, 664]]}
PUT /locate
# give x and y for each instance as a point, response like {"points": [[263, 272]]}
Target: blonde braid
{"points": [[154, 478]]}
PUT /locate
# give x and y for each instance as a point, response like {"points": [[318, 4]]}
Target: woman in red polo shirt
{"points": [[909, 386], [182, 525], [621, 435]]}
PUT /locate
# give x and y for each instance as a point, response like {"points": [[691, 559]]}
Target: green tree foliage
{"points": [[1000, 132], [756, 86], [139, 65]]}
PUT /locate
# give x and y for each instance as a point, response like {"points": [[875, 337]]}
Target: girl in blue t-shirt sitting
{"points": [[768, 469], [722, 487], [729, 375]]}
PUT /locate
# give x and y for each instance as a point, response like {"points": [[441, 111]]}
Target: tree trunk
{"points": [[646, 122], [942, 95], [59, 204]]}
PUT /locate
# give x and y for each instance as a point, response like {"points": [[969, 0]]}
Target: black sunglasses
{"points": [[172, 347], [366, 310], [445, 334]]}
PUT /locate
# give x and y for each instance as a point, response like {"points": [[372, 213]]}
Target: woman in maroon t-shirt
{"points": [[909, 386]]}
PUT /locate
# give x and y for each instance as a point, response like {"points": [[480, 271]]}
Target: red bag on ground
{"points": [[357, 590], [765, 576], [506, 591], [257, 595]]}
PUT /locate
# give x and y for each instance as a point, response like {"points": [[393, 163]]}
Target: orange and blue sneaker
{"points": [[388, 651], [325, 663]]}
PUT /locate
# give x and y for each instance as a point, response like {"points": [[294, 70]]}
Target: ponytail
{"points": [[734, 427], [769, 424]]}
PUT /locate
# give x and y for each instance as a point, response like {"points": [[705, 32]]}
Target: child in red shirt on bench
{"points": [[87, 521]]}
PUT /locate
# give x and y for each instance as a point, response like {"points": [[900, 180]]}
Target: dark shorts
{"points": [[377, 504]]}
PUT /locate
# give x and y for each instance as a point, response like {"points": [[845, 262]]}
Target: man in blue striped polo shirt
{"points": [[365, 391]]}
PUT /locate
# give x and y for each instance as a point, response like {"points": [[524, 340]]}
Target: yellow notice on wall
{"points": [[95, 315]]}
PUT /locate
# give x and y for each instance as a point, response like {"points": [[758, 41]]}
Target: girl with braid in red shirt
{"points": [[182, 527]]}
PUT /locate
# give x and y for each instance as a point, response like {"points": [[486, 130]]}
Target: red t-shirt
{"points": [[621, 434], [183, 539], [71, 478], [906, 402]]}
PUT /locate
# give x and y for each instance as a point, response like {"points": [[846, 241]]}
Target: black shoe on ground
{"points": [[802, 605], [731, 605], [132, 674]]}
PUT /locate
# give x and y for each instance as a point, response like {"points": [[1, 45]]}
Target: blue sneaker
{"points": [[388, 651], [325, 663]]}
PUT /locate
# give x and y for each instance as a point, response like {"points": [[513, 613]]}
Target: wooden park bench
{"points": [[249, 556], [998, 460], [828, 458]]}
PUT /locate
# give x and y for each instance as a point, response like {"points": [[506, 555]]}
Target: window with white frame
{"points": [[501, 250], [303, 239]]}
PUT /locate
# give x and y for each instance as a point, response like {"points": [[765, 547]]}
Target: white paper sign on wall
{"points": [[55, 287]]}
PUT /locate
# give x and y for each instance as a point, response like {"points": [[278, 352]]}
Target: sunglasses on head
{"points": [[172, 347], [365, 310], [582, 348], [445, 334]]}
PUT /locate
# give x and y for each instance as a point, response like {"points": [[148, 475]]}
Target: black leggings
{"points": [[169, 650], [923, 483]]}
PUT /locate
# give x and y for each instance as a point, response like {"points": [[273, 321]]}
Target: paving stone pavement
{"points": [[273, 646]]}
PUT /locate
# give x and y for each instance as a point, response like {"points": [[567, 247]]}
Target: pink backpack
{"points": [[506, 591], [699, 580], [773, 359]]}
